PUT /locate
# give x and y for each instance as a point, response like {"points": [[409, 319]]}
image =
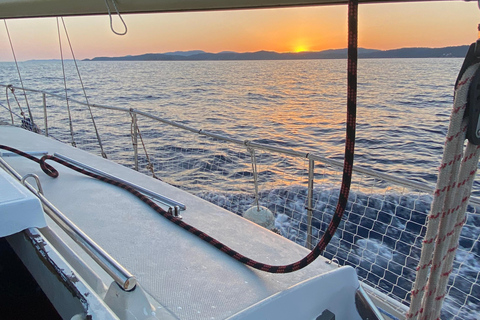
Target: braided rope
{"points": [[446, 216], [344, 191], [52, 172]]}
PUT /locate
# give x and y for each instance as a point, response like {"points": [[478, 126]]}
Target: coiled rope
{"points": [[447, 213], [344, 191]]}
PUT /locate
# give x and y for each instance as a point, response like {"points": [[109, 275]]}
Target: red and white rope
{"points": [[447, 213]]}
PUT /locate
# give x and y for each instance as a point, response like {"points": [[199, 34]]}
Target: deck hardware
{"points": [[256, 213], [175, 211], [365, 307], [326, 315], [334, 260], [37, 180], [134, 133], [165, 200], [311, 172], [119, 274], [255, 173], [45, 121]]}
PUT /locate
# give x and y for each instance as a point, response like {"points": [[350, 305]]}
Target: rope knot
{"points": [[48, 169]]}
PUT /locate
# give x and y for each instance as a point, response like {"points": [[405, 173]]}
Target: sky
{"points": [[381, 26]]}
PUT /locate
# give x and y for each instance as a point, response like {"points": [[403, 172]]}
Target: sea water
{"points": [[402, 119]]}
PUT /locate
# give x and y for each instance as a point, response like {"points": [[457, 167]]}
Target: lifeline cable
{"points": [[104, 155], [65, 86], [344, 191], [18, 70]]}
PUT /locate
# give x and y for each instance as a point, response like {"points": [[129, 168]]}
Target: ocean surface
{"points": [[403, 111]]}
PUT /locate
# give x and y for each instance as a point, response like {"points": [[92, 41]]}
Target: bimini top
{"points": [[49, 8]]}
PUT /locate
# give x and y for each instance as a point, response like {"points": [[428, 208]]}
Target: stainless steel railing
{"points": [[312, 158], [118, 273]]}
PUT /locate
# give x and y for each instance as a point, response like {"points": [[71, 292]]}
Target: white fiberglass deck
{"points": [[190, 278], [19, 208]]}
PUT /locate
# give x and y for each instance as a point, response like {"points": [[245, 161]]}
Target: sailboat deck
{"points": [[185, 275]]}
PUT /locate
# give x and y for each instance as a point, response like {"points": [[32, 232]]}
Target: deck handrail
{"points": [[115, 270]]}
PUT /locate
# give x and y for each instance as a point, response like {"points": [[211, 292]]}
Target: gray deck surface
{"points": [[186, 275]]}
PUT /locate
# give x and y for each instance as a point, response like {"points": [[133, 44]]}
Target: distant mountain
{"points": [[457, 52], [185, 53], [196, 55]]}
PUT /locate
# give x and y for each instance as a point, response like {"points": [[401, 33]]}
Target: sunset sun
{"points": [[300, 48]]}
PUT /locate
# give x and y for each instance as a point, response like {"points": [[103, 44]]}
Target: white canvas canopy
{"points": [[48, 8]]}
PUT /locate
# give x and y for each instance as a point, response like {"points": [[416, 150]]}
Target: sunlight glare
{"points": [[301, 48]]}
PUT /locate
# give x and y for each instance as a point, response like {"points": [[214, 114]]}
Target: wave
{"points": [[380, 235]]}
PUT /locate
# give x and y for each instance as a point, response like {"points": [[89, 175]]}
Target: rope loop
{"points": [[119, 16], [48, 169]]}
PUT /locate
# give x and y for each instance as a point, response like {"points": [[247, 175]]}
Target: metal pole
{"points": [[45, 113], [311, 171], [121, 275], [165, 200], [393, 179], [134, 139], [255, 175]]}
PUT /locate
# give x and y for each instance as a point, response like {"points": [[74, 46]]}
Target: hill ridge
{"points": [[199, 55]]}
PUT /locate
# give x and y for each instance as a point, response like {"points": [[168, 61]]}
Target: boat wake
{"points": [[380, 235]]}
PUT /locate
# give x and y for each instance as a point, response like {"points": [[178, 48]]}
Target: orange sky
{"points": [[381, 26]]}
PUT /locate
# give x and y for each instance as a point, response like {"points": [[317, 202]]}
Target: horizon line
{"points": [[229, 51]]}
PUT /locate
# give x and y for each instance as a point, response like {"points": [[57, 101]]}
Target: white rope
{"points": [[135, 130], [104, 155], [12, 90], [255, 174], [8, 103], [19, 75], [65, 86], [111, 18], [447, 213]]}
